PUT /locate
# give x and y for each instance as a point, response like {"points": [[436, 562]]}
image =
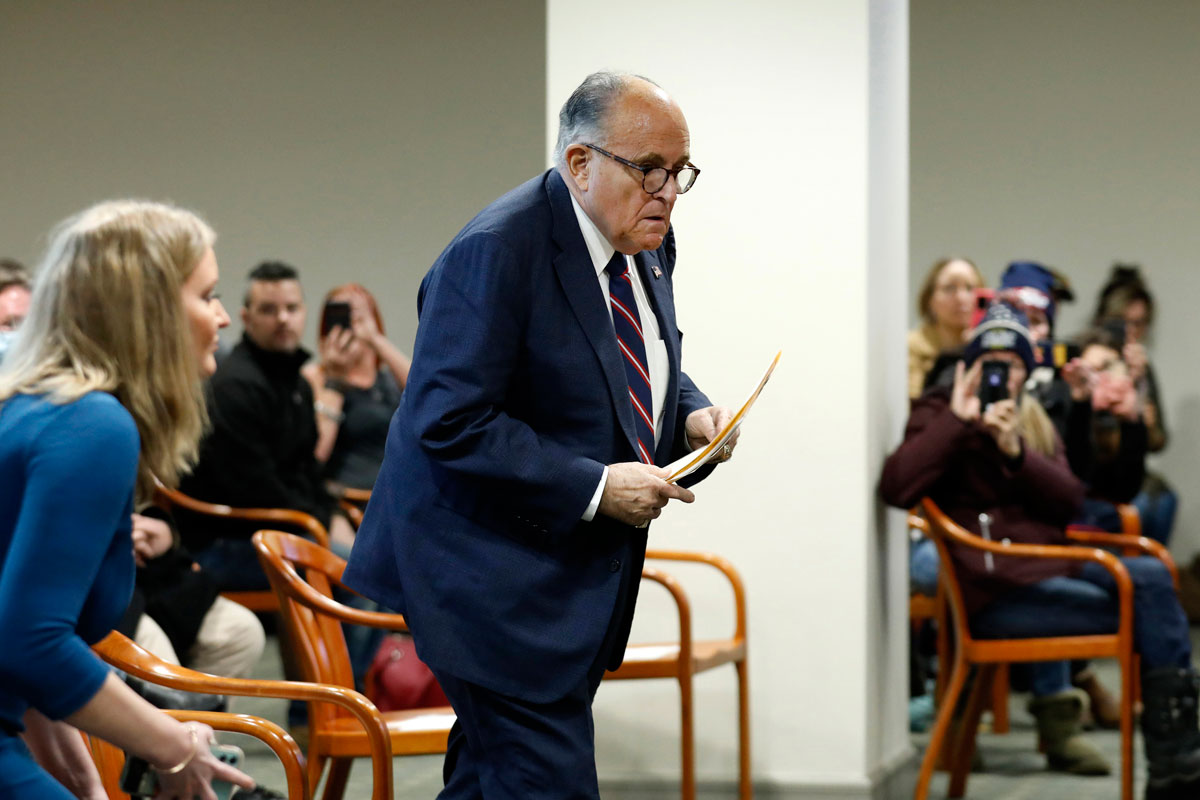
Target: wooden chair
{"points": [[353, 502], [262, 601], [124, 654], [681, 660], [313, 619], [1129, 542], [986, 654], [109, 759]]}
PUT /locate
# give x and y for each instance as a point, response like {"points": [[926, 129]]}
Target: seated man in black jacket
{"points": [[260, 451]]}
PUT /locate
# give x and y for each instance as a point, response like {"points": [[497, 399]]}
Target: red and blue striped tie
{"points": [[628, 325]]}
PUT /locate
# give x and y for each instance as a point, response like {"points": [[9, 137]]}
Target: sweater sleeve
{"points": [[933, 435], [79, 478]]}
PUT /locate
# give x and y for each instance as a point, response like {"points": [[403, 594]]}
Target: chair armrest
{"points": [[275, 737], [125, 654], [1130, 545], [918, 522], [358, 497], [284, 516], [722, 565], [300, 591], [352, 512]]}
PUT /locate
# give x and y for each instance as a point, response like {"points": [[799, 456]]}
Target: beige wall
{"points": [[793, 238], [351, 138], [1066, 132]]}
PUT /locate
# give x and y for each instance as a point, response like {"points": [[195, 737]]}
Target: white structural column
{"points": [[795, 237]]}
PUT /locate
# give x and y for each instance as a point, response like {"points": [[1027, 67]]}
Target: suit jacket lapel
{"points": [[578, 279]]}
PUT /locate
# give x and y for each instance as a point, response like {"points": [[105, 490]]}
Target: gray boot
{"points": [[1060, 731], [1172, 737]]}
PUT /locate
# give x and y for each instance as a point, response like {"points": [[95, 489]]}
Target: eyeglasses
{"points": [[655, 178]]}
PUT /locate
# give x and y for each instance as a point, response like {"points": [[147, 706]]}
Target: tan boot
{"points": [[1105, 708], [1061, 735]]}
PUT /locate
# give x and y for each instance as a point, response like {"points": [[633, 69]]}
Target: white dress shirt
{"points": [[601, 251]]}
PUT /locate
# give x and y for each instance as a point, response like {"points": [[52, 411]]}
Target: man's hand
{"points": [[151, 538], [1000, 420], [964, 396], [703, 425], [635, 493]]}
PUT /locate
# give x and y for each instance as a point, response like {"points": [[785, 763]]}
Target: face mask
{"points": [[6, 340]]}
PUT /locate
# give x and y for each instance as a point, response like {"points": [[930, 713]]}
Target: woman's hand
{"points": [[362, 322], [964, 396], [338, 351], [1080, 378], [151, 538], [1000, 420], [195, 779], [1134, 356]]}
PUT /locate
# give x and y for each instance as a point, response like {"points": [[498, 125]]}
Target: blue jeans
{"points": [[1086, 604], [1045, 677], [1158, 513]]}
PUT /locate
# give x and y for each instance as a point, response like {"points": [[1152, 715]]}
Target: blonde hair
{"points": [[1035, 426], [107, 315]]}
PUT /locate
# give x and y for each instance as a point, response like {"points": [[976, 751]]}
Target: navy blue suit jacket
{"points": [[516, 400]]}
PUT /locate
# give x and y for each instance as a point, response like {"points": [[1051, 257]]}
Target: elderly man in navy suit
{"points": [[525, 461]]}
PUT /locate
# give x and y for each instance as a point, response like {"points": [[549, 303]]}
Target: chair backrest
{"points": [[304, 605], [280, 517]]}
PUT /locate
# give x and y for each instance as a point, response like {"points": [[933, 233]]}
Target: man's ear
{"points": [[577, 158], [244, 313]]}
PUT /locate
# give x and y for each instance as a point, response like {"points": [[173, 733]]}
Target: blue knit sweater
{"points": [[66, 561]]}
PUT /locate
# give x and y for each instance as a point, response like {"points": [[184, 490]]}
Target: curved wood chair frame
{"points": [[987, 654], [124, 654], [353, 502], [109, 759], [263, 601], [313, 619], [683, 659]]}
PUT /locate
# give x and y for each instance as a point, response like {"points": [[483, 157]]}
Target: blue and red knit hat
{"points": [[1003, 327], [1029, 284]]}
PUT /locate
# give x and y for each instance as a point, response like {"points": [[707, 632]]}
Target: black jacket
{"points": [[260, 451]]}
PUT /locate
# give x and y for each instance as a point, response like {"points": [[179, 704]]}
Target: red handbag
{"points": [[398, 680]]}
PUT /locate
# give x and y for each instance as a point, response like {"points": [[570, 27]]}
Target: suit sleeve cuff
{"points": [[590, 512]]}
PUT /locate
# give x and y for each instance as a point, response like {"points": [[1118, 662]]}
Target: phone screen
{"points": [[993, 383]]}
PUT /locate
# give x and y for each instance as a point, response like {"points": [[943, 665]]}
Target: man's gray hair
{"points": [[582, 117]]}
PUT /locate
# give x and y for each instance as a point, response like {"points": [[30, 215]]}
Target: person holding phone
{"points": [[356, 383], [999, 470], [99, 396]]}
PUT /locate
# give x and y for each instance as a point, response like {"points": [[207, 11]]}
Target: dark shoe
{"points": [[258, 793], [1171, 732], [1104, 705], [1061, 736]]}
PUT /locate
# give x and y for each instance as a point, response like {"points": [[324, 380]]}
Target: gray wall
{"points": [[351, 139], [1066, 132]]}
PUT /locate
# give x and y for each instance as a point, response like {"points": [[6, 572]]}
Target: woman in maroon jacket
{"points": [[999, 471]]}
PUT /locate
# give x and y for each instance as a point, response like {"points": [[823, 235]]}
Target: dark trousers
{"points": [[1087, 604], [503, 748]]}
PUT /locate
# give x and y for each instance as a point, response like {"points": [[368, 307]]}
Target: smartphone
{"points": [[138, 780], [993, 383], [335, 315]]}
